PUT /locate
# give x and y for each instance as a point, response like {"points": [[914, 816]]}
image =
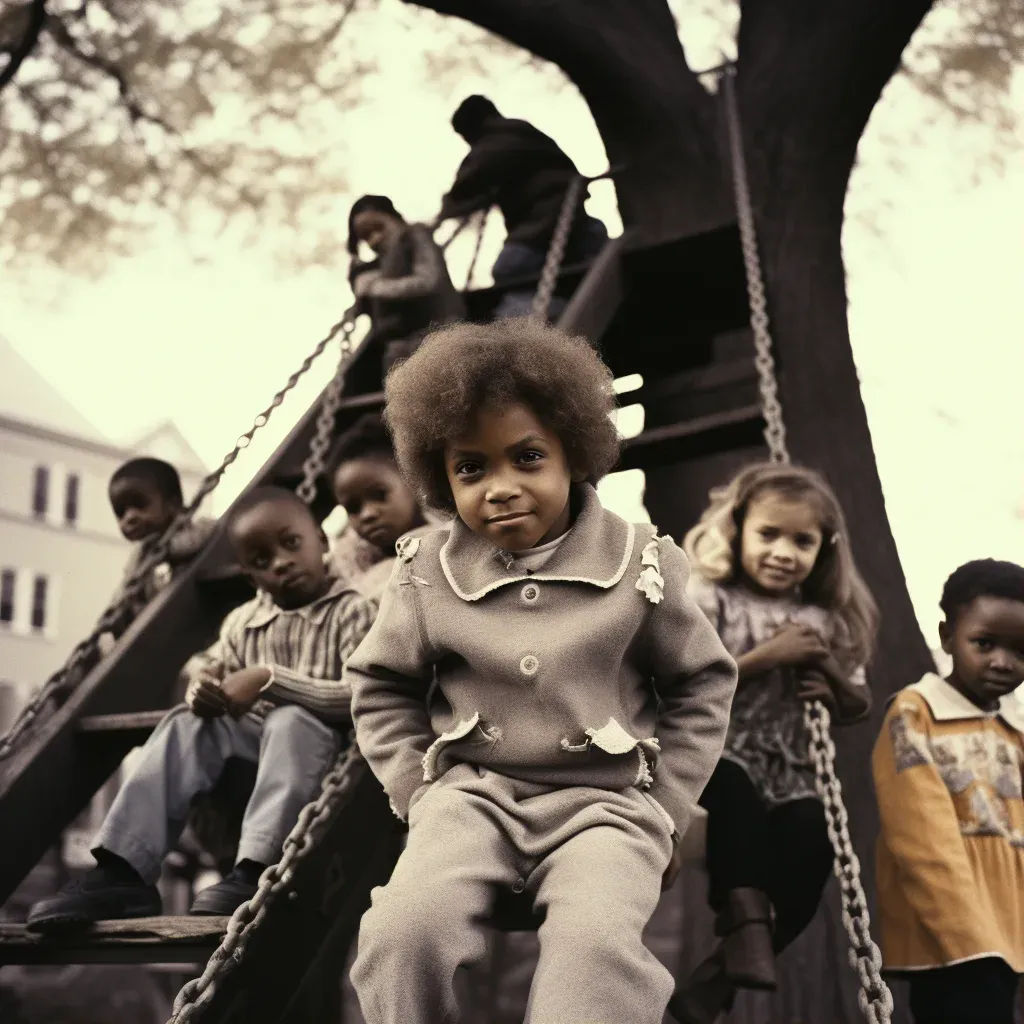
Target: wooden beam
{"points": [[170, 940], [705, 435]]}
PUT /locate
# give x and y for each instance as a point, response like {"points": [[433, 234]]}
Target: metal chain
{"points": [[556, 251], [313, 822], [320, 445], [134, 585], [775, 427], [480, 228], [874, 997]]}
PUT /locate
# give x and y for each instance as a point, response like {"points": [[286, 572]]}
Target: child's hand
{"points": [[815, 687], [363, 284], [795, 645], [675, 865], [206, 698], [242, 688]]}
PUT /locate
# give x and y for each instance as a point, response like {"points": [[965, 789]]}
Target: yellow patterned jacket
{"points": [[950, 855]]}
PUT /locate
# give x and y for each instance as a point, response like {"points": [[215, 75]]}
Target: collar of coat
{"points": [[596, 550], [948, 704], [315, 612]]}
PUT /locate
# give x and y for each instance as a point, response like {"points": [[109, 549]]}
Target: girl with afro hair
{"points": [[539, 697]]}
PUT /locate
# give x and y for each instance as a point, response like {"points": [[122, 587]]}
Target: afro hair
{"points": [[436, 394], [985, 577]]}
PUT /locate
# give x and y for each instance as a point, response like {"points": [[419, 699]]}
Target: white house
{"points": [[61, 554]]}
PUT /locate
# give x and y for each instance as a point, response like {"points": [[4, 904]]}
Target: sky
{"points": [[934, 265]]}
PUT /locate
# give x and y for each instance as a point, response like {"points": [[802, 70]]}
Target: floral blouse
{"points": [[767, 737]]}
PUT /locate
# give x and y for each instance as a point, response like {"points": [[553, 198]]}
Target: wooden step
{"points": [[136, 725], [704, 435], [143, 940]]}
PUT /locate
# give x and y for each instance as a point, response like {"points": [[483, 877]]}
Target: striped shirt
{"points": [[305, 650]]}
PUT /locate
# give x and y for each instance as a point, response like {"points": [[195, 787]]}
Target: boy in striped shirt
{"points": [[269, 690]]}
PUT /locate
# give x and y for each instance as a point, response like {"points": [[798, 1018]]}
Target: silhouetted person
{"points": [[523, 172]]}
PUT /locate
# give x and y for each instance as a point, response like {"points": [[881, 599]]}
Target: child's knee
{"points": [[293, 720], [412, 927]]}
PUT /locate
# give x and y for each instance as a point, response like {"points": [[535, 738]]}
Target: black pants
{"points": [[783, 851], [975, 992]]}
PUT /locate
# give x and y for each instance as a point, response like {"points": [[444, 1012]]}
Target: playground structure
{"points": [[687, 313]]}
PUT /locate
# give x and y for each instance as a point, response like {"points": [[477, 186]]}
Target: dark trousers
{"points": [[783, 851], [516, 260], [975, 992]]}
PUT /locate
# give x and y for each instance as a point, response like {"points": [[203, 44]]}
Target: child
{"points": [[380, 505], [145, 496], [948, 773], [407, 289], [774, 573], [538, 695], [270, 691]]}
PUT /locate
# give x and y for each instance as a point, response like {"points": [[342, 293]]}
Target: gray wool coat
{"points": [[596, 670]]}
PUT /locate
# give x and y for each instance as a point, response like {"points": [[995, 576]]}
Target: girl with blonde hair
{"points": [[774, 573]]}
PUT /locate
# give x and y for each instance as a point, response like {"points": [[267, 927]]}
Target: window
{"points": [[39, 589], [7, 581], [41, 492], [71, 500]]}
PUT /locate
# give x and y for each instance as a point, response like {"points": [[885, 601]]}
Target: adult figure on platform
{"points": [[516, 167]]}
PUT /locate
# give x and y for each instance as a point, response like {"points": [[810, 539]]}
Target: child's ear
{"points": [[946, 637], [578, 476]]}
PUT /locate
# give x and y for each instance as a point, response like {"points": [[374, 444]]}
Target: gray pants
{"points": [[592, 859], [185, 757]]}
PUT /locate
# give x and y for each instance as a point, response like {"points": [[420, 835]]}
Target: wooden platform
{"points": [[164, 940]]}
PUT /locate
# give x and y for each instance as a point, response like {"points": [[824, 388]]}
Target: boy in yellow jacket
{"points": [[948, 776]]}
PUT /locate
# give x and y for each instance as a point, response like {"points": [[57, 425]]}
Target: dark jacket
{"points": [[519, 169], [411, 290]]}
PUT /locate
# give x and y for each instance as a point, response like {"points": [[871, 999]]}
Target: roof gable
{"points": [[28, 397]]}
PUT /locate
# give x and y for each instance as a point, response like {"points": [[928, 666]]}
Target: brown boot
{"points": [[746, 929], [705, 995]]}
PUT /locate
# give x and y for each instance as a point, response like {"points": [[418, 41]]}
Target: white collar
{"points": [[948, 704]]}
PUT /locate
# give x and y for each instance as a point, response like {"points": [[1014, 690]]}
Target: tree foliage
{"points": [[117, 113], [122, 111]]}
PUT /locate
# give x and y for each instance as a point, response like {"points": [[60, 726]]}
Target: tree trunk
{"points": [[656, 120], [808, 77]]}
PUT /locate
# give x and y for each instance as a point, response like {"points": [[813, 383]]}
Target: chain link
{"points": [[481, 226], [314, 820], [320, 445], [86, 650], [556, 251], [874, 997], [775, 427]]}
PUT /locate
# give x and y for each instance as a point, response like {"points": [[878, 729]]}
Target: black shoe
{"points": [[224, 898], [97, 896]]}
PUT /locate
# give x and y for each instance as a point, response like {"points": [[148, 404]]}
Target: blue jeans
{"points": [[185, 757], [517, 261]]}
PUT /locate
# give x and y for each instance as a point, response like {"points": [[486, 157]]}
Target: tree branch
{"points": [[67, 42], [35, 20]]}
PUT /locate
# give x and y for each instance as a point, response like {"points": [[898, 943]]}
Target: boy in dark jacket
{"points": [[523, 172]]}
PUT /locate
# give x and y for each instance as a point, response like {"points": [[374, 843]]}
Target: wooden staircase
{"points": [[676, 315]]}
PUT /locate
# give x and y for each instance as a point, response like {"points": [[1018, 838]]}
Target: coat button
{"points": [[529, 665], [531, 592], [518, 885]]}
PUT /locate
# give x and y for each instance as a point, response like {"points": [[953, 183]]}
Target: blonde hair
{"points": [[833, 584]]}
